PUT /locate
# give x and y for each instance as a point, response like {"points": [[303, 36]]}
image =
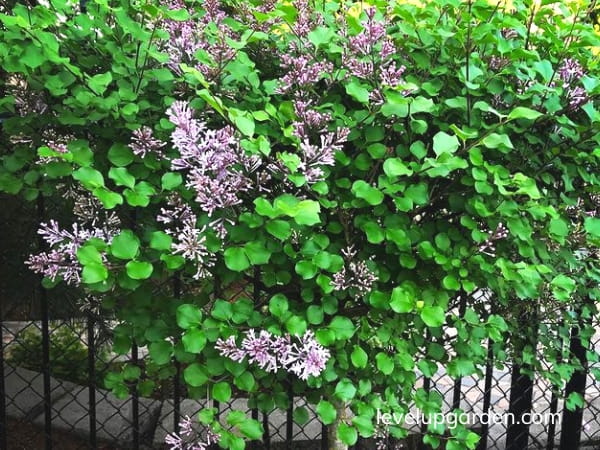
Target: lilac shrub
{"points": [[308, 195]]}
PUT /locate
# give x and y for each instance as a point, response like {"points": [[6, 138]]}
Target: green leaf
{"points": [[374, 232], [195, 375], [359, 357], [159, 240], [245, 125], [139, 270], [450, 282], [170, 181], [125, 245], [296, 326], [278, 305], [520, 112], [433, 316], [94, 273], [32, 56], [245, 382], [99, 83], [396, 105], [251, 428], [342, 327], [257, 253], [306, 269], [592, 226], [326, 412], [221, 391], [194, 340], [321, 35], [300, 415], [315, 315], [307, 213], [108, 198], [562, 287], [89, 178], [402, 301], [394, 167], [345, 390], [559, 227], [236, 259], [88, 254], [357, 91], [495, 140], [347, 434], [188, 316], [160, 352], [279, 228], [120, 155], [361, 189], [445, 143], [264, 208], [385, 363]]}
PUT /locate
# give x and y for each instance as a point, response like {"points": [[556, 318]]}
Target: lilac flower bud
{"points": [[142, 142], [576, 97], [302, 71], [186, 439], [354, 275], [570, 71]]}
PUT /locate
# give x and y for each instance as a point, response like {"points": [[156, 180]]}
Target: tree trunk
{"points": [[334, 441]]}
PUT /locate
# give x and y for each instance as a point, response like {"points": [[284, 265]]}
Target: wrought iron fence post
{"points": [[426, 387], [572, 421], [521, 396], [324, 437], [91, 343], [289, 421], [521, 385], [177, 379], [3, 424], [266, 436], [487, 394], [458, 382], [135, 399]]}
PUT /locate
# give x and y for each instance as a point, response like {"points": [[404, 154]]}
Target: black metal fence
{"points": [[54, 389]]}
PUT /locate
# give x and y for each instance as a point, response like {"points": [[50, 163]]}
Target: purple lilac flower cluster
{"points": [[213, 159], [61, 260], [187, 439], [301, 71], [187, 37], [303, 358], [305, 20], [488, 247], [570, 73], [314, 157], [143, 142], [188, 241], [373, 42], [309, 122], [354, 274]]}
